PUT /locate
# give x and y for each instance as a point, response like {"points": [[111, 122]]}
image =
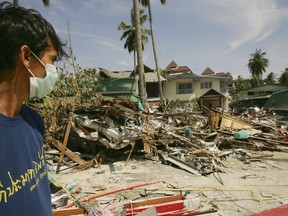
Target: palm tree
{"points": [[284, 77], [146, 3], [242, 84], [270, 79], [45, 2], [257, 65], [129, 32], [140, 65]]}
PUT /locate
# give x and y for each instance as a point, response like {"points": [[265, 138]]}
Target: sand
{"points": [[247, 187]]}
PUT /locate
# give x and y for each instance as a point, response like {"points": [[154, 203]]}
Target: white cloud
{"points": [[96, 39], [242, 21], [123, 63], [248, 20], [108, 44], [80, 34], [108, 7], [60, 5]]}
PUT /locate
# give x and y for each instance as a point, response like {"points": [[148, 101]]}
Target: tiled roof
{"points": [[171, 65], [208, 71], [173, 68], [226, 74]]}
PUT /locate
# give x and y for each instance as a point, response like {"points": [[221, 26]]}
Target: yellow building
{"points": [[210, 89]]}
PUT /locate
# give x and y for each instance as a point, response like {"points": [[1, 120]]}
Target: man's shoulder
{"points": [[33, 117], [26, 110]]}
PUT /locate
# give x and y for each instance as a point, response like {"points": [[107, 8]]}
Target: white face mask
{"points": [[40, 87]]}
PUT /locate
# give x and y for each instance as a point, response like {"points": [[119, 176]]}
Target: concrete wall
{"points": [[170, 90], [199, 92]]}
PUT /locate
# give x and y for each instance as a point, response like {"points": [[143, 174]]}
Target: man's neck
{"points": [[9, 103]]}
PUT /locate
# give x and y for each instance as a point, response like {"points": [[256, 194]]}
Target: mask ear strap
{"points": [[37, 58], [30, 72]]}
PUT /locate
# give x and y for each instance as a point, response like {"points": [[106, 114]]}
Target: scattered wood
{"points": [[74, 157], [195, 141], [182, 164], [63, 148]]}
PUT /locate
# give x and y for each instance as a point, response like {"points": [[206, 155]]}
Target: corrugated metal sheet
{"points": [[278, 101]]}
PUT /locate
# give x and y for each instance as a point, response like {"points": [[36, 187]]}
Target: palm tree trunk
{"points": [[15, 3], [134, 76], [134, 56], [155, 55], [140, 65], [71, 49], [45, 2]]}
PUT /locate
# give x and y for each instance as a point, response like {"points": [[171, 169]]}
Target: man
{"points": [[29, 47]]}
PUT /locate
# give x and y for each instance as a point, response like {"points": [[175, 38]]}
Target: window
{"points": [[184, 88], [262, 93], [205, 85]]}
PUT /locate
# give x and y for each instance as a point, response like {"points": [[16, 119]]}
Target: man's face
{"points": [[47, 56]]}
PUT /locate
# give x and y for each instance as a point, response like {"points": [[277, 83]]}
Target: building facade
{"points": [[210, 89]]}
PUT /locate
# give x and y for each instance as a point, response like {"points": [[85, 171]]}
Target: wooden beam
{"points": [[69, 211], [66, 137], [154, 201], [76, 158]]}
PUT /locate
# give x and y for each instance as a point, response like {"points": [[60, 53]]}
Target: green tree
{"points": [[284, 77], [257, 66], [242, 84], [146, 3], [270, 79], [129, 33]]}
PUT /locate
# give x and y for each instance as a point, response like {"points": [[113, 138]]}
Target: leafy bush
{"points": [[72, 90]]}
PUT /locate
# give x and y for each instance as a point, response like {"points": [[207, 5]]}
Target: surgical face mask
{"points": [[40, 87]]}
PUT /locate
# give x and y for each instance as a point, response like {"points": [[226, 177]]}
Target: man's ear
{"points": [[25, 55]]}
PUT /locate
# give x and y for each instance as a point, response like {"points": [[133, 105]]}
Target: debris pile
{"points": [[182, 135]]}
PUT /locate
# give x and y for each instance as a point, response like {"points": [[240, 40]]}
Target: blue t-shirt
{"points": [[24, 184]]}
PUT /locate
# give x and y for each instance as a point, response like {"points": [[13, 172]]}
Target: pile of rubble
{"points": [[178, 134]]}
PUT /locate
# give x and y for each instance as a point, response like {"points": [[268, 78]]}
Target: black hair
{"points": [[20, 26]]}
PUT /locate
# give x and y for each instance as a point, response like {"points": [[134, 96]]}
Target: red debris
{"points": [[279, 211]]}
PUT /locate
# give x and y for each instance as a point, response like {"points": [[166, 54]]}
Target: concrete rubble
{"points": [[178, 135]]}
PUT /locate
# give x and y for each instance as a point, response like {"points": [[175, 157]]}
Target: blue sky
{"points": [[220, 34]]}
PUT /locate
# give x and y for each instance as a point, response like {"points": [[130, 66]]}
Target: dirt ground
{"points": [[247, 187]]}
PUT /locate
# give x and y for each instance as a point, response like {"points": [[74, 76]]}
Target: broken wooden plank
{"points": [[74, 157], [66, 137], [187, 142], [70, 211], [182, 164], [182, 114], [269, 140], [155, 201], [257, 138], [233, 123]]}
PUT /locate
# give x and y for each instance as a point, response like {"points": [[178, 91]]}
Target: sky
{"points": [[219, 34]]}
